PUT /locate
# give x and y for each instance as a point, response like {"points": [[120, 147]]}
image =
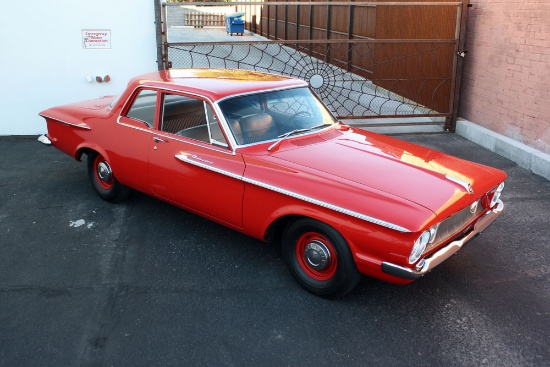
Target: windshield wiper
{"points": [[295, 131]]}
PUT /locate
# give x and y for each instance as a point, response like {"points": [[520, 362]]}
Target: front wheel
{"points": [[103, 179], [319, 258]]}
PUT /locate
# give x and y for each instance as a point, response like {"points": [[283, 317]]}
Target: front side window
{"points": [[191, 118]]}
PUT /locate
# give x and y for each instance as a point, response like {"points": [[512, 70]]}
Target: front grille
{"points": [[451, 226]]}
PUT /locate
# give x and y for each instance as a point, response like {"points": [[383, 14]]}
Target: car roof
{"points": [[216, 83]]}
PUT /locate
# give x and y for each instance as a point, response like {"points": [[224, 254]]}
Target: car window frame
{"points": [[225, 146], [264, 107], [130, 102]]}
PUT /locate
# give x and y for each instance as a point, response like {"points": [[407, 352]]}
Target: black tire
{"points": [[319, 258], [103, 179]]}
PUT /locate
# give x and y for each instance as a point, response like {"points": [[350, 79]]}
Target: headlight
{"points": [[419, 247], [421, 243]]}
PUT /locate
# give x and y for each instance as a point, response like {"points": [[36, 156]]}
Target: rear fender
{"points": [[86, 148]]}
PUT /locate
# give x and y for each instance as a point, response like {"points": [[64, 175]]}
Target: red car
{"points": [[259, 153]]}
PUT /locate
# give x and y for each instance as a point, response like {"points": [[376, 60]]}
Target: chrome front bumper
{"points": [[427, 264]]}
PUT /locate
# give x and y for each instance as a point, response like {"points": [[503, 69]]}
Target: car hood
{"points": [[383, 177]]}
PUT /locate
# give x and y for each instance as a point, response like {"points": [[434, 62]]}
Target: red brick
{"points": [[538, 67], [536, 42], [539, 28], [523, 62], [533, 57], [514, 67]]}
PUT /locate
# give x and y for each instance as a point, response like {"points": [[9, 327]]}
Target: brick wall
{"points": [[506, 78]]}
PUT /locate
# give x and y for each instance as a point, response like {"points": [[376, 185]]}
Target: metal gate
{"points": [[372, 63]]}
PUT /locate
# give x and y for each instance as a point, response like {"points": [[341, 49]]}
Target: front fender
{"points": [[265, 214]]}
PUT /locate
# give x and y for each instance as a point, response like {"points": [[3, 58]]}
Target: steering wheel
{"points": [[290, 120]]}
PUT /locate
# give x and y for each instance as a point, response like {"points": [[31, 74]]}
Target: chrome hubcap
{"points": [[317, 255], [104, 171]]}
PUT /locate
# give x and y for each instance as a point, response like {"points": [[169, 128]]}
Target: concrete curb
{"points": [[525, 156]]}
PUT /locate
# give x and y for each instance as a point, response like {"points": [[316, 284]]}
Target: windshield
{"points": [[266, 116]]}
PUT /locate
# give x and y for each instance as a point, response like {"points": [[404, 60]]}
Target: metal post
{"points": [[310, 21], [297, 22], [286, 22], [160, 33], [268, 21], [462, 21], [329, 18], [310, 26], [262, 21], [276, 22], [351, 17]]}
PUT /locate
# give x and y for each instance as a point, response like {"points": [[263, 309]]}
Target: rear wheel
{"points": [[103, 179], [319, 258]]}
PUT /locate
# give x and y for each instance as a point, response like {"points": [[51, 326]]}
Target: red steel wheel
{"points": [[103, 179], [103, 172], [316, 256], [319, 258]]}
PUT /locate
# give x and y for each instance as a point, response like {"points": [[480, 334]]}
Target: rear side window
{"points": [[191, 118], [181, 113], [143, 107]]}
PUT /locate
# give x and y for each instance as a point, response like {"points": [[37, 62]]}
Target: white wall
{"points": [[43, 62]]}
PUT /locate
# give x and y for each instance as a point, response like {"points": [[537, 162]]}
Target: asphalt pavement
{"points": [[142, 283]]}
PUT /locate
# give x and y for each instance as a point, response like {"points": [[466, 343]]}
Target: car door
{"points": [[190, 163], [131, 139]]}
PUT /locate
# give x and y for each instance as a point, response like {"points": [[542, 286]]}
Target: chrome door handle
{"points": [[159, 140]]}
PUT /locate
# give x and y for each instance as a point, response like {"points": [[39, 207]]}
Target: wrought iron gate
{"points": [[368, 61]]}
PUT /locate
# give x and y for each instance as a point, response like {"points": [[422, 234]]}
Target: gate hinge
{"points": [[462, 53]]}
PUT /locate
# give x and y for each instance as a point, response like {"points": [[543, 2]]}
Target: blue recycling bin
{"points": [[234, 23]]}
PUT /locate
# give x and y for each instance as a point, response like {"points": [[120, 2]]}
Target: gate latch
{"points": [[462, 53]]}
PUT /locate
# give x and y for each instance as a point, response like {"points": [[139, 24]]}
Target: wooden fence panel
{"points": [[364, 22], [424, 70], [406, 69]]}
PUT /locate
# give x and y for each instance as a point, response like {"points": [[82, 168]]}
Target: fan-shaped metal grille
{"points": [[333, 71]]}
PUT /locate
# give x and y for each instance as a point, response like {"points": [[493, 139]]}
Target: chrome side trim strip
{"points": [[132, 126], [328, 206], [201, 164], [83, 126], [351, 213], [426, 265]]}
